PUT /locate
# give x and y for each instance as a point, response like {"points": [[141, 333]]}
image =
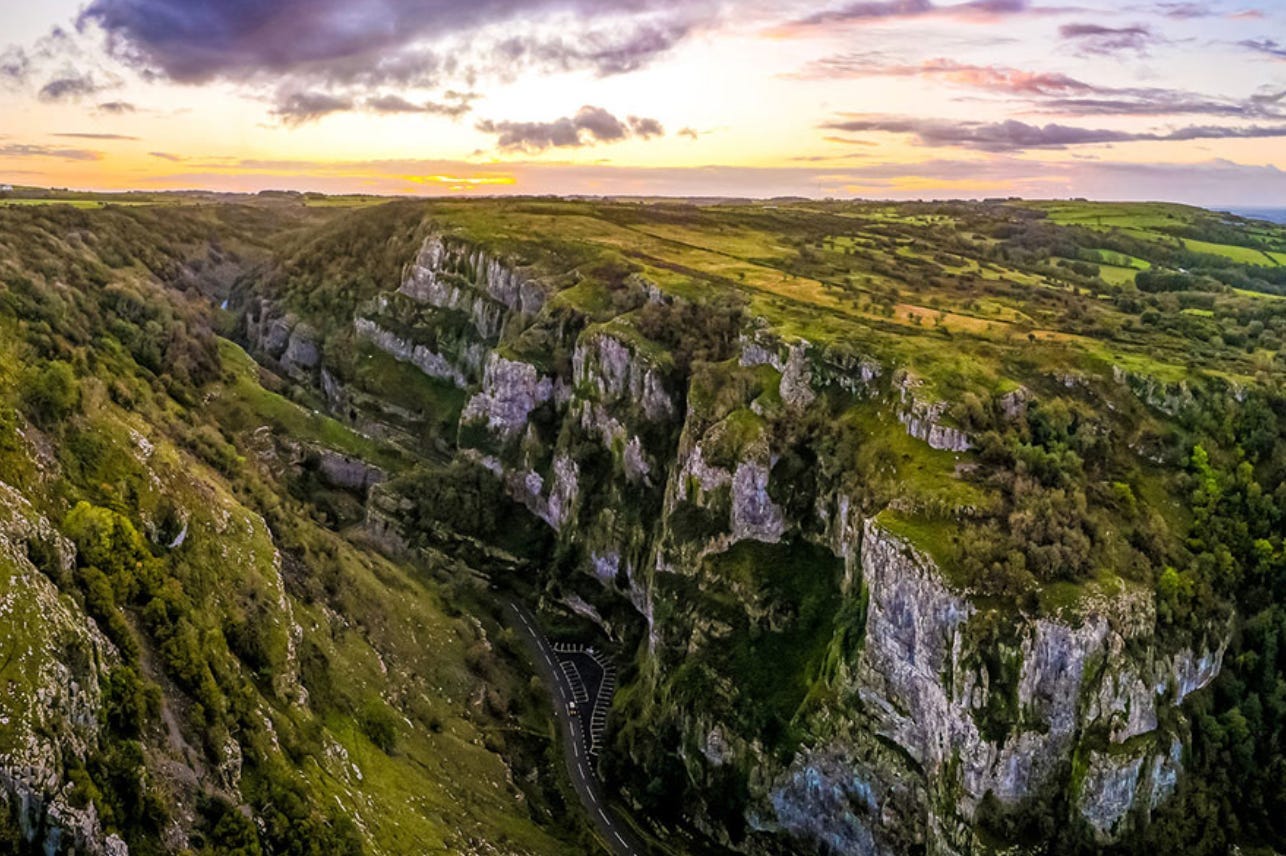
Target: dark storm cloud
{"points": [[1266, 46], [300, 107], [243, 39], [590, 125], [1015, 136], [1099, 40], [69, 85]]}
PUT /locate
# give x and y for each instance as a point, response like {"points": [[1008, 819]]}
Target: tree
{"points": [[52, 393]]}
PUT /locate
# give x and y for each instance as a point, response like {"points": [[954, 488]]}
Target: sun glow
{"points": [[694, 102]]}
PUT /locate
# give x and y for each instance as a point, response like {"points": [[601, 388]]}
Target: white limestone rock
{"points": [[511, 390]]}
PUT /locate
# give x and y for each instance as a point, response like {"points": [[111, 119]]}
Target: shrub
{"points": [[379, 724], [51, 393]]}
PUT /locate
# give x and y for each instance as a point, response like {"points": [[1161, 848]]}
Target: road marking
{"points": [[595, 713]]}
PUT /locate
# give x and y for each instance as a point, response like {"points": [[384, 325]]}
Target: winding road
{"points": [[618, 837]]}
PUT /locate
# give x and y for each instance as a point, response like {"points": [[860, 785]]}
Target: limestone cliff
{"points": [[1080, 696], [701, 502], [57, 663]]}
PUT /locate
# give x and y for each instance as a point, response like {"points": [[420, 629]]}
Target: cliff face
{"points": [[759, 563], [1061, 703], [56, 669]]}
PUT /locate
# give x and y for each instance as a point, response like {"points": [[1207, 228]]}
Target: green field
{"points": [[1122, 215], [1110, 257], [1241, 255], [1114, 275]]}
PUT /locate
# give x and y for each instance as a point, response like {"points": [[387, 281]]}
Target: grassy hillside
{"points": [[264, 680]]}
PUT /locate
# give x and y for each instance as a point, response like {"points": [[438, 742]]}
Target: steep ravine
{"points": [[909, 709]]}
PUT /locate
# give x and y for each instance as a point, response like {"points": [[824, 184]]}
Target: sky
{"points": [[896, 99]]}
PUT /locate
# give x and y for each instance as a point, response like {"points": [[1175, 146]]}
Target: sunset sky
{"points": [[1181, 101]]}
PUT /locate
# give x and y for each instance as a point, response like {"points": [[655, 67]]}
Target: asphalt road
{"points": [[615, 835]]}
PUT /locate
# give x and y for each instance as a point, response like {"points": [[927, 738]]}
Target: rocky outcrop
{"points": [[283, 339], [754, 514], [511, 390], [615, 393], [268, 331], [796, 373], [696, 473], [428, 282], [736, 501], [806, 367], [385, 513], [824, 801], [302, 355], [56, 661], [615, 373], [596, 420], [933, 681], [923, 419], [1115, 784], [446, 270], [432, 363], [347, 472], [555, 507], [1169, 398]]}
